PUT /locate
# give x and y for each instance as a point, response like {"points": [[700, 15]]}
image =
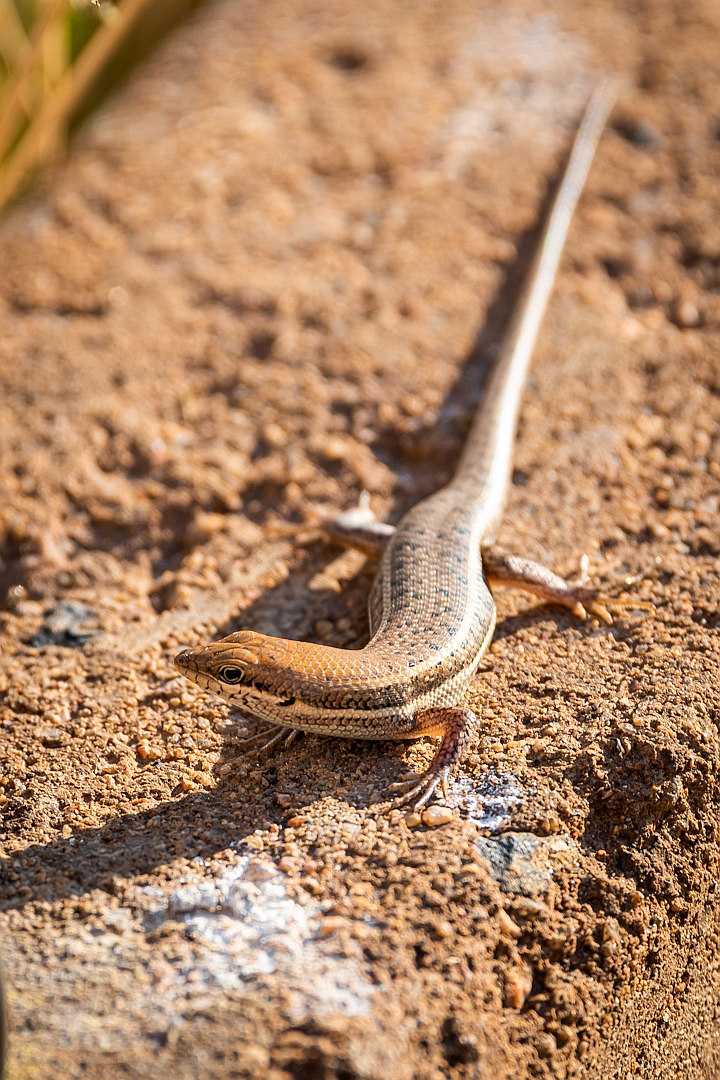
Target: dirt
{"points": [[271, 274]]}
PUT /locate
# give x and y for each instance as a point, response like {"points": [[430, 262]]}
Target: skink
{"points": [[431, 611]]}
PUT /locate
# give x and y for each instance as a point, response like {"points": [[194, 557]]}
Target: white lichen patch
{"points": [[489, 804], [244, 926]]}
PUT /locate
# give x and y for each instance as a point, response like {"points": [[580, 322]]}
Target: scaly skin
{"points": [[432, 615]]}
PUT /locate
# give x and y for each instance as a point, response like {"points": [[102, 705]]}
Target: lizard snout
{"points": [[182, 660]]}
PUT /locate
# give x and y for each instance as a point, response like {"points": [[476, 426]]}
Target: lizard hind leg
{"points": [[532, 577], [455, 724]]}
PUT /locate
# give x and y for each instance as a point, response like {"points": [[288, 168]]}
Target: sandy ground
{"points": [[273, 273]]}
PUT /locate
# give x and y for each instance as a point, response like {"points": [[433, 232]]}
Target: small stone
{"points": [[412, 819], [528, 908], [275, 435], [67, 831], [508, 926], [255, 1056], [253, 841], [118, 297], [14, 596], [336, 1024], [206, 525], [51, 737], [287, 864], [517, 985], [295, 822], [148, 752], [331, 923], [549, 824], [437, 815], [631, 329], [687, 314], [518, 861], [203, 778], [546, 1045], [259, 870]]}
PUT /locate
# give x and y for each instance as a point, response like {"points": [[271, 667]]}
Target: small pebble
{"points": [[687, 314], [253, 841], [546, 1044], [507, 925], [332, 923], [275, 435], [436, 815], [412, 818], [527, 907], [14, 596], [517, 985], [118, 297]]}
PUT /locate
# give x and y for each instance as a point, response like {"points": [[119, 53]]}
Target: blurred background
{"points": [[57, 59]]}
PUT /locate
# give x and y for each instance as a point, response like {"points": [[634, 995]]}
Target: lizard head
{"points": [[246, 668], [293, 683]]}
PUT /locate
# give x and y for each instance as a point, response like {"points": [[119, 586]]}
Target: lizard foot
{"points": [[602, 606], [455, 724], [421, 786], [272, 736]]}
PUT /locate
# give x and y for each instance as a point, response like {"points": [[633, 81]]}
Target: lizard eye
{"points": [[231, 674]]}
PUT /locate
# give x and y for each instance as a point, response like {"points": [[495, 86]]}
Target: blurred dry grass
{"points": [[56, 58]]}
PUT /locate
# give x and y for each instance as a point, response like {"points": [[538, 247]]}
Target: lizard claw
{"points": [[602, 606], [408, 779], [273, 735], [420, 789]]}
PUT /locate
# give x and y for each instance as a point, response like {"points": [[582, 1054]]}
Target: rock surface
{"points": [[253, 290]]}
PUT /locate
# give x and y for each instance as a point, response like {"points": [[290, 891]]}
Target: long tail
{"points": [[487, 456]]}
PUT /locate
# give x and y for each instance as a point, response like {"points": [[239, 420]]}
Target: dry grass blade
{"points": [[47, 128], [13, 40], [21, 95]]}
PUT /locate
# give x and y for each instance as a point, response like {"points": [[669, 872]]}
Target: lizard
{"points": [[431, 609]]}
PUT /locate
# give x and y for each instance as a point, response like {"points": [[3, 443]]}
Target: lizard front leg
{"points": [[358, 529], [454, 724]]}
